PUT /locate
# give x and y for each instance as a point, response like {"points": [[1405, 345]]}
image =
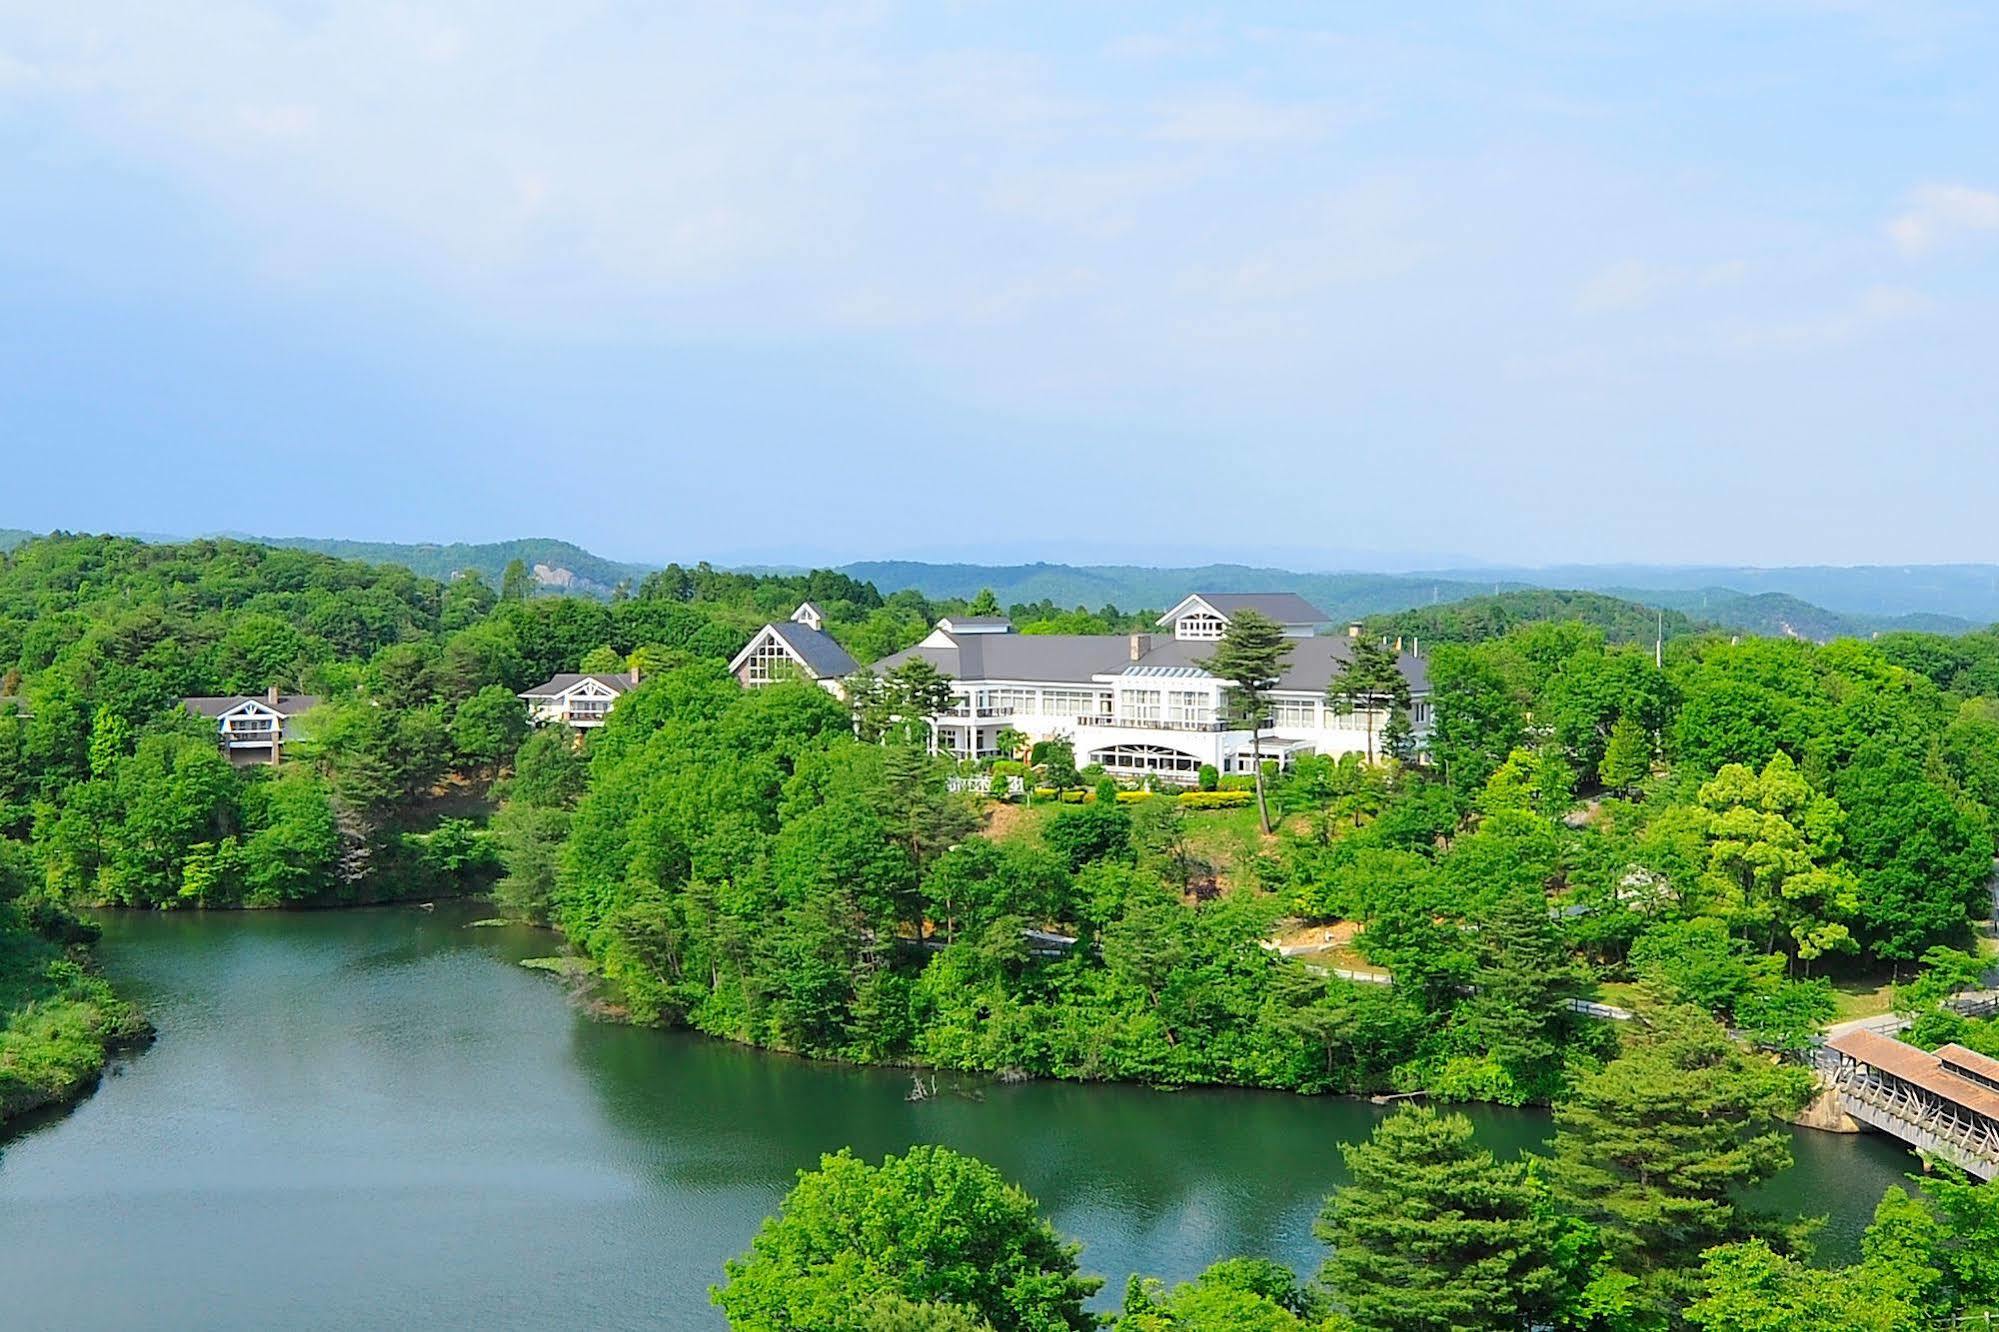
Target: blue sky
{"points": [[1327, 285]]}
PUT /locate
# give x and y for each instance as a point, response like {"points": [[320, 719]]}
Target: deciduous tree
{"points": [[929, 1227]]}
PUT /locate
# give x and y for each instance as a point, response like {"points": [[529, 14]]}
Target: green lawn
{"points": [[1863, 996]]}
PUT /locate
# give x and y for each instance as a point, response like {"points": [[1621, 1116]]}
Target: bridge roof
{"points": [[1917, 1067], [1981, 1068]]}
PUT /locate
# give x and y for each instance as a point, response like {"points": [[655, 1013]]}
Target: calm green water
{"points": [[374, 1119]]}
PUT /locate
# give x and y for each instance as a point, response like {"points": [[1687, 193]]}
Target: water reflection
{"points": [[364, 1118]]}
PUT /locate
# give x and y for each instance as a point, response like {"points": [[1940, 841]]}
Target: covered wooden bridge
{"points": [[1945, 1104]]}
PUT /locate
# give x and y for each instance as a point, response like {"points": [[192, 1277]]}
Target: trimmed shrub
{"points": [[1209, 779], [1216, 799]]}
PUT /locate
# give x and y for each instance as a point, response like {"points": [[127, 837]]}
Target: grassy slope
{"points": [[57, 1022]]}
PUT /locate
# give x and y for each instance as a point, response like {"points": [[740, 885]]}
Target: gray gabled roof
{"points": [[1309, 668], [288, 705], [824, 657], [1058, 657], [1283, 607], [557, 684], [1075, 658]]}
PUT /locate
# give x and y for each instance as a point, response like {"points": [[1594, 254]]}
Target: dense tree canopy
{"points": [[855, 1243]]}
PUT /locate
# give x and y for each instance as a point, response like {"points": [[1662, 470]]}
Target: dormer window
{"points": [[1200, 625], [808, 615]]}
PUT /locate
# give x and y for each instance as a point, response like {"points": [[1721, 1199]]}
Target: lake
{"points": [[375, 1118]]}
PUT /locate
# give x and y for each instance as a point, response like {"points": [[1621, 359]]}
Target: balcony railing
{"points": [[1153, 723]]}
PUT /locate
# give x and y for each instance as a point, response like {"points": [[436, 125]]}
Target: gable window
{"points": [[768, 662], [1199, 625]]}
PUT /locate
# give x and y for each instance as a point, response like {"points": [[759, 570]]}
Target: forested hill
{"points": [[1477, 619], [11, 537], [1780, 615], [558, 566]]}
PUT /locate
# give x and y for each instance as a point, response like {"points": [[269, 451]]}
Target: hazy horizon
{"points": [[1666, 284]]}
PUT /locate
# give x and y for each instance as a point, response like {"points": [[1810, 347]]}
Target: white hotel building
{"points": [[1141, 704]]}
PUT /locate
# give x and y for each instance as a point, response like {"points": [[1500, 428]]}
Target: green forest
{"points": [[111, 793], [1737, 845]]}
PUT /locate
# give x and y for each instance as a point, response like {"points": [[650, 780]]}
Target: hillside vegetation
{"points": [[560, 565], [1476, 619], [111, 793]]}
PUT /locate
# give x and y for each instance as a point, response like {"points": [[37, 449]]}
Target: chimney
{"points": [[635, 673], [1398, 642], [1353, 630], [1140, 645], [271, 696]]}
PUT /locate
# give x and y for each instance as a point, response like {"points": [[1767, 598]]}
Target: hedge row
{"points": [[1187, 799]]}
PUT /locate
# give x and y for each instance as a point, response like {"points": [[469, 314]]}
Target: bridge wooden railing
{"points": [[1920, 1118]]}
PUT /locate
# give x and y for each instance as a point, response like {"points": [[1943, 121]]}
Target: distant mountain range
{"points": [[1968, 592], [1132, 587], [1815, 602], [1869, 601]]}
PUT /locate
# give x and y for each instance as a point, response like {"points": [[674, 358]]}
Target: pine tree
{"points": [[516, 583], [1251, 658], [1627, 756], [1369, 682], [1433, 1233], [1654, 1147], [1524, 982]]}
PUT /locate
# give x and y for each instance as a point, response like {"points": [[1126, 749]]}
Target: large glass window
{"points": [[1139, 705], [1145, 758], [1190, 705], [1070, 703], [1302, 712]]}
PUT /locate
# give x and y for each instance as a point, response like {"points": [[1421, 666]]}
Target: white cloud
{"points": [[1629, 285], [1864, 314], [1237, 122], [1937, 214]]}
